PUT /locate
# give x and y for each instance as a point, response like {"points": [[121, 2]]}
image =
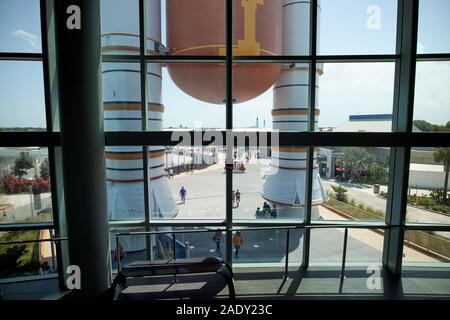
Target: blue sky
{"points": [[344, 88]]}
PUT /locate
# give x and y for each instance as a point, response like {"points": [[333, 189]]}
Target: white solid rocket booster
{"points": [[285, 179], [122, 112]]}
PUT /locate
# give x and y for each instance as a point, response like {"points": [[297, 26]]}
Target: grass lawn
{"points": [[19, 259]]}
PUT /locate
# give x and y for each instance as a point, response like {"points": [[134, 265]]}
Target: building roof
{"points": [[368, 123]]}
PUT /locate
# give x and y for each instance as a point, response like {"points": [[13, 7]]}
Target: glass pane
{"points": [[25, 194], [20, 26], [270, 184], [270, 177], [268, 246], [27, 259], [131, 247], [22, 103], [357, 27], [209, 241], [427, 200], [362, 245], [192, 27], [120, 27], [432, 96], [434, 27], [125, 182], [256, 88], [356, 97], [187, 183], [426, 247], [258, 27], [122, 96], [189, 96], [356, 182]]}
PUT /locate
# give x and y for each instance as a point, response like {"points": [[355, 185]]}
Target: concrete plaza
{"points": [[206, 201]]}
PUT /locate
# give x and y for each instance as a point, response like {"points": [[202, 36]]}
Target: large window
{"points": [[21, 26], [27, 181], [357, 27], [22, 106], [271, 185], [324, 86]]}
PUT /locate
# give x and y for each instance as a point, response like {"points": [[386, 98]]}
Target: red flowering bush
{"points": [[14, 185]]}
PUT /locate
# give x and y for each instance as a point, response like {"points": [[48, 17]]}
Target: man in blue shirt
{"points": [[183, 193]]}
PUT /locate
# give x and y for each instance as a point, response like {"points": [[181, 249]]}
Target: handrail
{"points": [[301, 226], [287, 228], [33, 241], [122, 34]]}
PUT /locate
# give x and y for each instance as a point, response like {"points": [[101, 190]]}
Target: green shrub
{"points": [[340, 193], [437, 195], [370, 209], [19, 259], [425, 201], [379, 213]]}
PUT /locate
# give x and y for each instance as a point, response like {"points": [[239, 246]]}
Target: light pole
{"points": [[178, 162]]}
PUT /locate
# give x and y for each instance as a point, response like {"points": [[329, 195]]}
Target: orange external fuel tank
{"points": [[197, 27]]}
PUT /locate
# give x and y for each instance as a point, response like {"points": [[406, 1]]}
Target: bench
{"points": [[176, 267]]}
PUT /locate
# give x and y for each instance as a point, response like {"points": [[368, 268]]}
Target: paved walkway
{"points": [[364, 194], [23, 210]]}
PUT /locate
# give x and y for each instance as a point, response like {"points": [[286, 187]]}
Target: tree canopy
{"points": [[356, 161], [21, 165], [426, 126]]}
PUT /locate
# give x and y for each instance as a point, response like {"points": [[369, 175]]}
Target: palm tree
{"points": [[442, 155]]}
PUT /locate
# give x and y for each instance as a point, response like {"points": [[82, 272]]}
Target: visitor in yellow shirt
{"points": [[237, 241]]}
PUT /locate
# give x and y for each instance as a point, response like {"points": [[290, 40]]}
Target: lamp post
{"points": [[178, 161]]}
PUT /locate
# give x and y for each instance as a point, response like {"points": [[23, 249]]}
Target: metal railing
{"points": [[32, 241], [288, 229], [51, 240]]}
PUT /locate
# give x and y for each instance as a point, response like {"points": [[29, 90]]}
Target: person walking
{"points": [[266, 208], [238, 197], [119, 253], [170, 173], [217, 238], [237, 241], [183, 193]]}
